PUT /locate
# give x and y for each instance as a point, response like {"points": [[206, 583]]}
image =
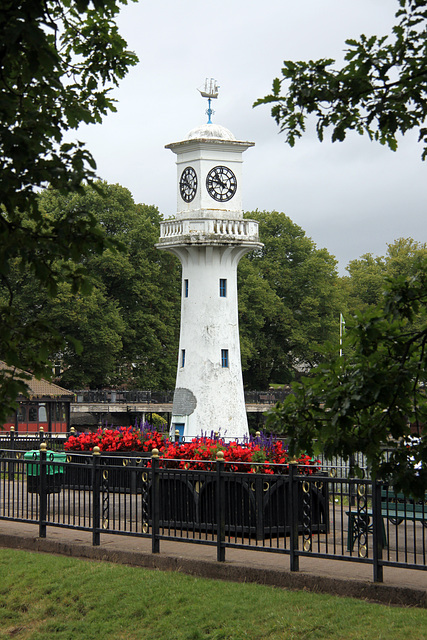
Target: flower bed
{"points": [[254, 504], [259, 454], [117, 440]]}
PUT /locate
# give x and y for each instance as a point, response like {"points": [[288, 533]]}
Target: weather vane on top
{"points": [[209, 91]]}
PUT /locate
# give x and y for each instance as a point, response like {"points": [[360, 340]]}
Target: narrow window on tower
{"points": [[186, 288], [223, 287], [224, 358], [182, 357]]}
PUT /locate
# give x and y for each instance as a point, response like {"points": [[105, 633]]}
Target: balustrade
{"points": [[236, 229]]}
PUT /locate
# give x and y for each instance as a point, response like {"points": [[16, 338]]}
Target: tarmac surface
{"points": [[401, 587]]}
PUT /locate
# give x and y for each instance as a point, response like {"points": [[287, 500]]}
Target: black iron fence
{"points": [[326, 515], [11, 440], [166, 397]]}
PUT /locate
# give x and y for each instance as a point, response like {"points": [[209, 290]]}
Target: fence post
{"points": [[41, 434], [96, 493], [12, 453], [42, 491], [155, 501], [259, 510], [352, 486], [293, 512], [220, 507], [377, 530]]}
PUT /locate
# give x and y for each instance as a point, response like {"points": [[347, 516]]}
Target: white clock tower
{"points": [[209, 235]]}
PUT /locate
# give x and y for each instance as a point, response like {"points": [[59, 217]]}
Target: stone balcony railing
{"points": [[216, 229]]}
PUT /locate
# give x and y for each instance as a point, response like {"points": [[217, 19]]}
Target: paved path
{"points": [[400, 587]]}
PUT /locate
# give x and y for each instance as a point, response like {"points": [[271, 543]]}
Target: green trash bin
{"points": [[54, 471]]}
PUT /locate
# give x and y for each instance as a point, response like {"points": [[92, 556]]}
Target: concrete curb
{"points": [[232, 571]]}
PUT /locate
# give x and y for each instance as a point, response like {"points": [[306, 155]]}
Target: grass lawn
{"points": [[44, 597]]}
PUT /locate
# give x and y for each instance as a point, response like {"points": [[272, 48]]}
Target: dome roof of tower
{"points": [[210, 131]]}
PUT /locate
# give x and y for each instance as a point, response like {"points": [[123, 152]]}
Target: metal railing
{"points": [[322, 515], [12, 440], [166, 397]]}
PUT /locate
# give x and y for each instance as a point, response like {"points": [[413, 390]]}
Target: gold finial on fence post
{"points": [[43, 446], [258, 434], [220, 456], [96, 494], [155, 453]]}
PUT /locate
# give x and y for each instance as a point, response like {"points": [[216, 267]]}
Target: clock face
{"points": [[221, 184], [188, 184]]}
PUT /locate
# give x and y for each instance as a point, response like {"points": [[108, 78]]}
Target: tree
{"points": [[144, 282], [125, 329], [381, 91], [82, 334], [375, 396], [59, 60], [288, 302], [364, 286]]}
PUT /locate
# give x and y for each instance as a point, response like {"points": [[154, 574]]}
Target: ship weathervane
{"points": [[209, 91]]}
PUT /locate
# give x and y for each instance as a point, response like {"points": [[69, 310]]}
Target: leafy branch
{"points": [[59, 61], [374, 396], [381, 91]]}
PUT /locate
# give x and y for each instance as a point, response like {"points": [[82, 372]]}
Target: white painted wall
{"points": [[203, 155], [210, 323]]}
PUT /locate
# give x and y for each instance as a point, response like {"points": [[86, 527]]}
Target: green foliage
{"points": [[288, 302], [381, 91], [365, 282], [144, 283], [92, 322], [157, 421], [59, 60], [124, 330], [376, 395], [363, 288]]}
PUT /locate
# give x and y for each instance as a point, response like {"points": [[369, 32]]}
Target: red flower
{"points": [[246, 457]]}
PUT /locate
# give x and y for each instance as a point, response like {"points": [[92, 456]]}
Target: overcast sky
{"points": [[352, 198]]}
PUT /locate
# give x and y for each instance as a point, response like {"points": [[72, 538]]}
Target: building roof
{"points": [[39, 388]]}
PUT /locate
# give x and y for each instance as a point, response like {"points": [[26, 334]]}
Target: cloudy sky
{"points": [[352, 198]]}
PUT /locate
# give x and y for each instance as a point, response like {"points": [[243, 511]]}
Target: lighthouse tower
{"points": [[209, 236]]}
